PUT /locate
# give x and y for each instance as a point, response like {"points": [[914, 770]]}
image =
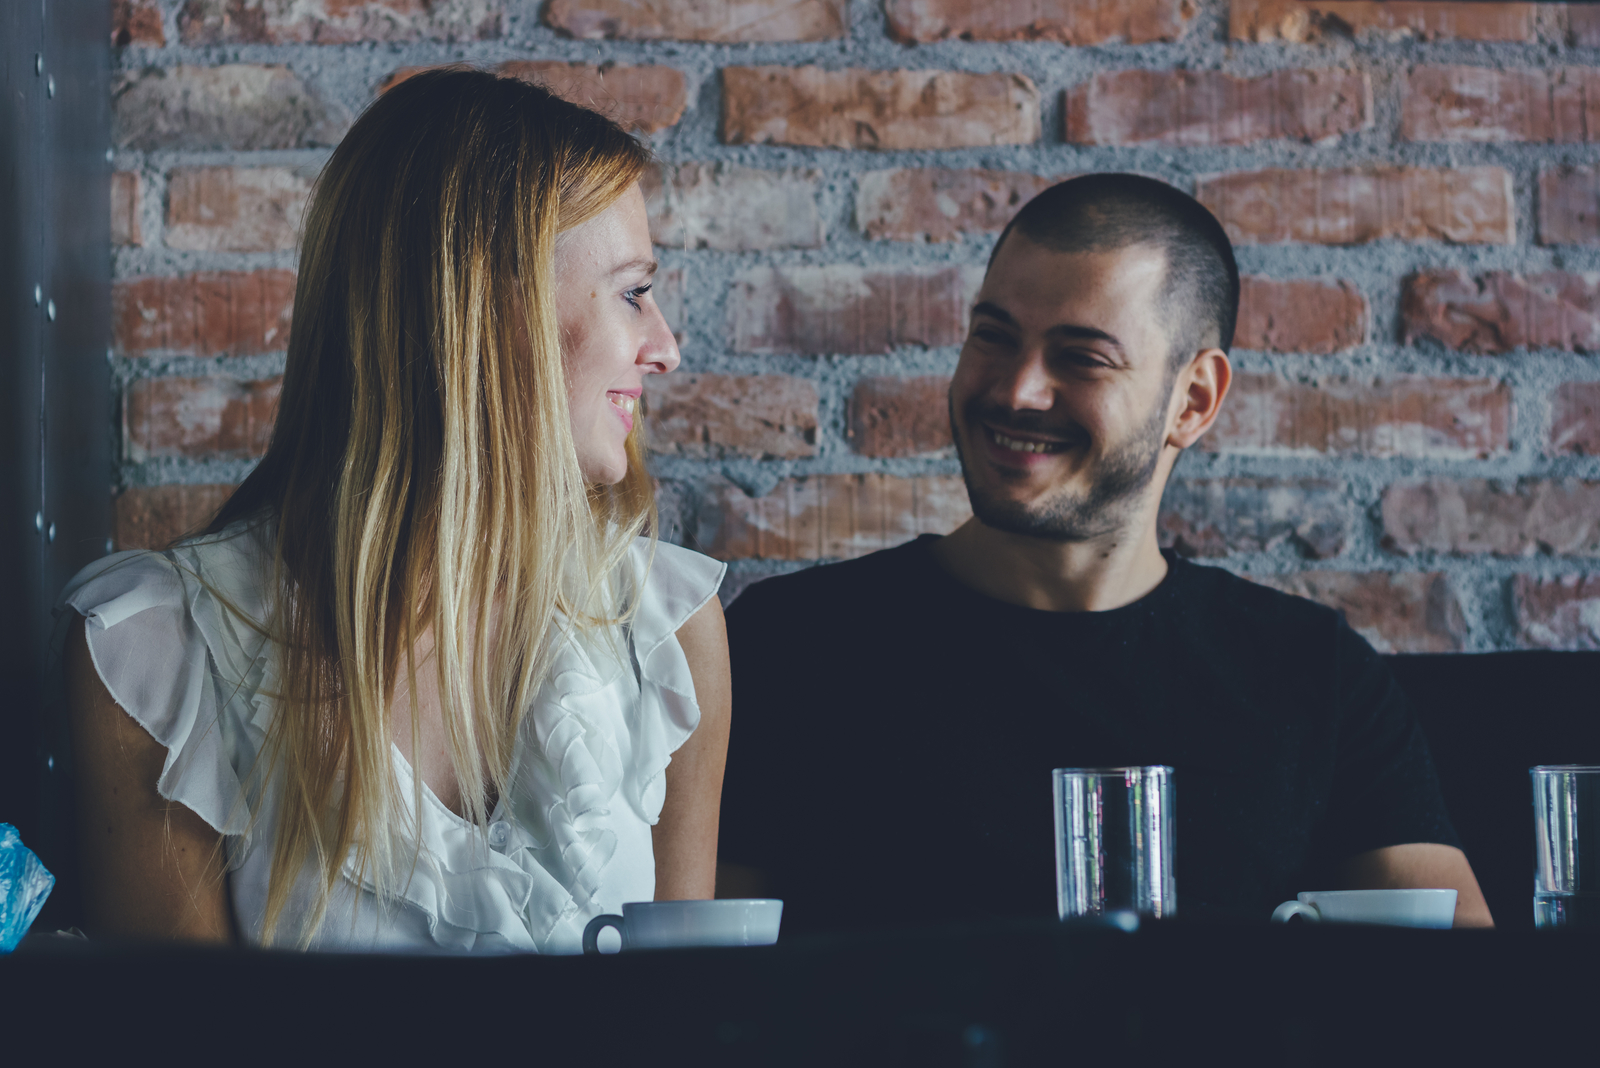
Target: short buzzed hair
{"points": [[1107, 212]]}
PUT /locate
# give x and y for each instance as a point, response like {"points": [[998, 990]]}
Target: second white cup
{"points": [[1388, 908], [677, 924]]}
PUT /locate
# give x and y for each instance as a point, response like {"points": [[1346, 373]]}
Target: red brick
{"points": [[1299, 315], [1406, 415], [1557, 518], [716, 416], [136, 22], [213, 418], [1482, 104], [237, 105], [1216, 517], [934, 204], [210, 22], [1187, 107], [668, 289], [1354, 205], [1402, 612], [1569, 206], [1071, 22], [828, 517], [1299, 21], [725, 20], [153, 517], [235, 209], [1500, 311], [1575, 419], [646, 99], [900, 416], [877, 109], [1557, 613], [125, 198], [1583, 25], [733, 209], [845, 309], [213, 313]]}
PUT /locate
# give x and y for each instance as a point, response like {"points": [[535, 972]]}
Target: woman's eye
{"points": [[634, 295]]}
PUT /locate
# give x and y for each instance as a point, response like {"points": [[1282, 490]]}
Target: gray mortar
{"points": [[347, 75]]}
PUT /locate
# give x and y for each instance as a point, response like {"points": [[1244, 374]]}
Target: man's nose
{"points": [[1025, 384]]}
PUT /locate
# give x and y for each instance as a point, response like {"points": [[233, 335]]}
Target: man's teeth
{"points": [[1027, 446], [623, 401]]}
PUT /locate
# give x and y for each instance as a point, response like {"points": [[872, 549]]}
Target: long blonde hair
{"points": [[422, 475]]}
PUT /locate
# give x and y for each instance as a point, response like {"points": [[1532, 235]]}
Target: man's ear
{"points": [[1200, 388]]}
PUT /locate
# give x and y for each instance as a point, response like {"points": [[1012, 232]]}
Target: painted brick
{"points": [[1071, 22], [726, 21], [236, 105], [1401, 416], [900, 416], [828, 517], [1299, 315], [212, 418], [1193, 108], [1299, 21], [935, 204], [212, 22], [212, 313], [1217, 517], [669, 290], [846, 309], [125, 198], [1403, 612], [1482, 104], [1569, 206], [733, 209], [1354, 205], [877, 109], [235, 209], [153, 517], [1583, 25], [1500, 311], [1549, 517], [1557, 613], [1575, 419], [717, 416], [136, 22], [644, 98]]}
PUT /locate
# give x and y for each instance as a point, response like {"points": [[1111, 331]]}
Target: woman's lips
{"points": [[623, 402]]}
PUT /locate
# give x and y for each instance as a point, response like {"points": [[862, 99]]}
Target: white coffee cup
{"points": [[1389, 908], [675, 924]]}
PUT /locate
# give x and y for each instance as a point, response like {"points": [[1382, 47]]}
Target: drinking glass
{"points": [[1114, 841], [1566, 835]]}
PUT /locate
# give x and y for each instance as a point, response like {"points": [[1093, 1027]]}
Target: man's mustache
{"points": [[1007, 420]]}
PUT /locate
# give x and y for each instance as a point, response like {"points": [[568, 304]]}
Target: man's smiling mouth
{"points": [[1005, 441]]}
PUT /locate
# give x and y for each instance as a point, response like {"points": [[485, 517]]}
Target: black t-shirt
{"points": [[894, 733]]}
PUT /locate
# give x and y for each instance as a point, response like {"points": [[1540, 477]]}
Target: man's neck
{"points": [[1102, 573]]}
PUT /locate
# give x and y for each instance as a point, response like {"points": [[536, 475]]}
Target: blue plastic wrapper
{"points": [[24, 884]]}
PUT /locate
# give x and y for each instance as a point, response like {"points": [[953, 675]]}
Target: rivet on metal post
{"points": [[38, 295], [110, 155], [38, 521], [50, 311], [111, 546], [38, 64], [50, 86], [50, 535]]}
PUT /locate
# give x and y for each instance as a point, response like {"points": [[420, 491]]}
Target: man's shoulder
{"points": [[830, 586], [1257, 603]]}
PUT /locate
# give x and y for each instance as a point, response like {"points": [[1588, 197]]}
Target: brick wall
{"points": [[1414, 189]]}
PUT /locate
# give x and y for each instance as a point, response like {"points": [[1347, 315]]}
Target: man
{"points": [[898, 715]]}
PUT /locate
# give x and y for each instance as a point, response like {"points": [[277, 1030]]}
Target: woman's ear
{"points": [[1201, 387]]}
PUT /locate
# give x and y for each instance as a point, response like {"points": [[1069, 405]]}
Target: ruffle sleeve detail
{"points": [[153, 659], [680, 583]]}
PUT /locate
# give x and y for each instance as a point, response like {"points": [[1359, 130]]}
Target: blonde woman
{"points": [[422, 685]]}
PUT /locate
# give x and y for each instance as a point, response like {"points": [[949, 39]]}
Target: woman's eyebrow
{"points": [[648, 266]]}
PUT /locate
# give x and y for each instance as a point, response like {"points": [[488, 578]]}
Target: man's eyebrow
{"points": [[1059, 332], [648, 266]]}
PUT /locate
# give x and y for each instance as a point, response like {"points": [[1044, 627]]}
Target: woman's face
{"points": [[612, 333]]}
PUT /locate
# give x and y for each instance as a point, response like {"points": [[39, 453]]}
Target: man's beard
{"points": [[1118, 482]]}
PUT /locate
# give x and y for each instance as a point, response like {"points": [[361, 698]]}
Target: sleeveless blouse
{"points": [[170, 635]]}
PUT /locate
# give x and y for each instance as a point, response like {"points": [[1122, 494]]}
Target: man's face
{"points": [[1060, 402]]}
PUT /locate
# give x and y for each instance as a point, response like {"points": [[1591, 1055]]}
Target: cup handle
{"points": [[1282, 914], [591, 933]]}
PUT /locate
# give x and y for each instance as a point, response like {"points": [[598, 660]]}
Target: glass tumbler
{"points": [[1566, 836], [1114, 841]]}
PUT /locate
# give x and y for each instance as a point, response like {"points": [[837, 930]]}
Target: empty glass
{"points": [[1566, 835], [1114, 841]]}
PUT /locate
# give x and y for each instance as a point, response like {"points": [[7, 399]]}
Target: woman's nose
{"points": [[659, 353]]}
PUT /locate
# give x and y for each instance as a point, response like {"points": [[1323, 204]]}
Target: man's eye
{"points": [[991, 335], [636, 294]]}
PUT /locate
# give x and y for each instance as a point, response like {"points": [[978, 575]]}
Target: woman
{"points": [[420, 683]]}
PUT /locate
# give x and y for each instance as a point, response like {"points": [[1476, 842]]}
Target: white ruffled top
{"points": [[571, 838]]}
